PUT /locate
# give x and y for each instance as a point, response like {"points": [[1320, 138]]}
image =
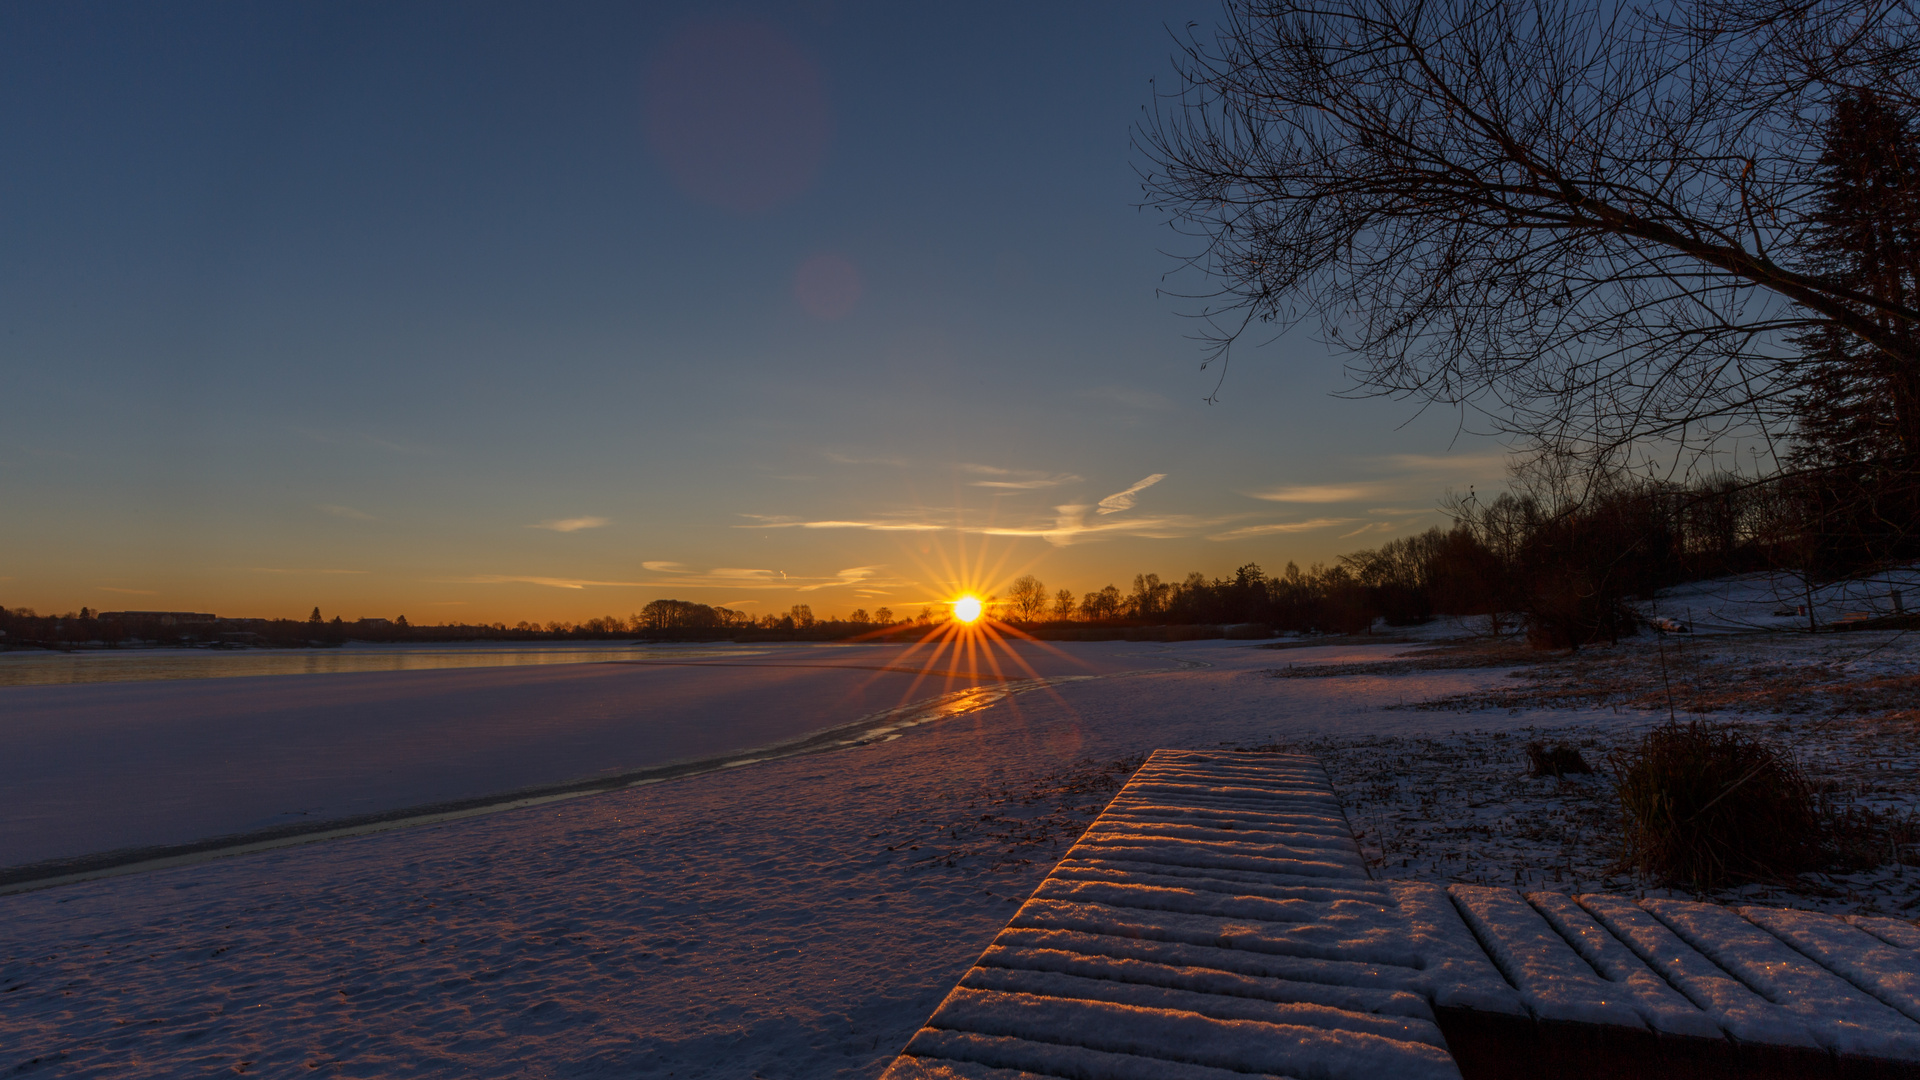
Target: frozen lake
{"points": [[37, 668], [798, 918], [106, 766]]}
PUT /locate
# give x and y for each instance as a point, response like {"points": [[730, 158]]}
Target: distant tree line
{"points": [[22, 627], [1561, 561]]}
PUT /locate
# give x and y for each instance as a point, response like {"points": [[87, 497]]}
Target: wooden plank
{"points": [[1217, 920]]}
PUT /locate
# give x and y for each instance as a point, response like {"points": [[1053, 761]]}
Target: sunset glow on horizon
{"points": [[534, 314]]}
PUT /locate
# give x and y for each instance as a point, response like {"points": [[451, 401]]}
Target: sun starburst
{"points": [[968, 608]]}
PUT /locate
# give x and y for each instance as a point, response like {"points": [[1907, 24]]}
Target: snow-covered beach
{"points": [[795, 917]]}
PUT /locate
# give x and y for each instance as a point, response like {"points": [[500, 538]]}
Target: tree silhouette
{"points": [[1594, 222], [1856, 403], [1028, 598], [1063, 605], [1855, 415]]}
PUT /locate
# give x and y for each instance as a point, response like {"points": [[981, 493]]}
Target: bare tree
{"points": [[1104, 604], [1028, 598], [1063, 605], [1150, 596], [1588, 220], [1793, 49]]}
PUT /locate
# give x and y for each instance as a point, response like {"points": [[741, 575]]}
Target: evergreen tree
{"points": [[1855, 412]]}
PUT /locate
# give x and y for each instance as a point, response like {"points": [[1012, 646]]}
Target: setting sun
{"points": [[967, 609]]}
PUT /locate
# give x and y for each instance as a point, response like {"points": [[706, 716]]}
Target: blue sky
{"points": [[478, 312]]}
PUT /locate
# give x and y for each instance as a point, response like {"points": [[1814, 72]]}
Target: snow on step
{"points": [[1215, 921], [1555, 982], [1879, 969], [1843, 1018], [1729, 1002], [1895, 932], [1642, 989]]}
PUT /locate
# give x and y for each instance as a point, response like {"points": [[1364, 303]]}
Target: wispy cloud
{"points": [[1273, 528], [1371, 527], [1014, 479], [856, 575], [128, 592], [549, 582], [1407, 476], [1070, 526], [345, 512], [1322, 493], [1124, 500], [1479, 466], [567, 525], [678, 576], [300, 570], [1027, 485], [765, 521], [727, 577]]}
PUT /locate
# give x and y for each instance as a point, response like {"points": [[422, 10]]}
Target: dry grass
{"points": [[1462, 807], [1696, 680], [1709, 805], [1473, 806]]}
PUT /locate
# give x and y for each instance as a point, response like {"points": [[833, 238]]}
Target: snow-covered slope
{"points": [[1780, 601]]}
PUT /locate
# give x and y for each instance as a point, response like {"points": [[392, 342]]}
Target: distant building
{"points": [[164, 618], [374, 623]]}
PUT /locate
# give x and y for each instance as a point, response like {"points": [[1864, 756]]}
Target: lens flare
{"points": [[971, 646]]}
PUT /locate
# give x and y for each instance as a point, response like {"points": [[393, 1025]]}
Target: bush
{"points": [[1560, 759], [1708, 805]]}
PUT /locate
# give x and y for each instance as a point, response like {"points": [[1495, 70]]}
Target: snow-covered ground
{"points": [[1455, 802], [1782, 601], [800, 917]]}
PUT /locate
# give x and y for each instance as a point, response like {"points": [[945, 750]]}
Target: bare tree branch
{"points": [[1587, 220]]}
